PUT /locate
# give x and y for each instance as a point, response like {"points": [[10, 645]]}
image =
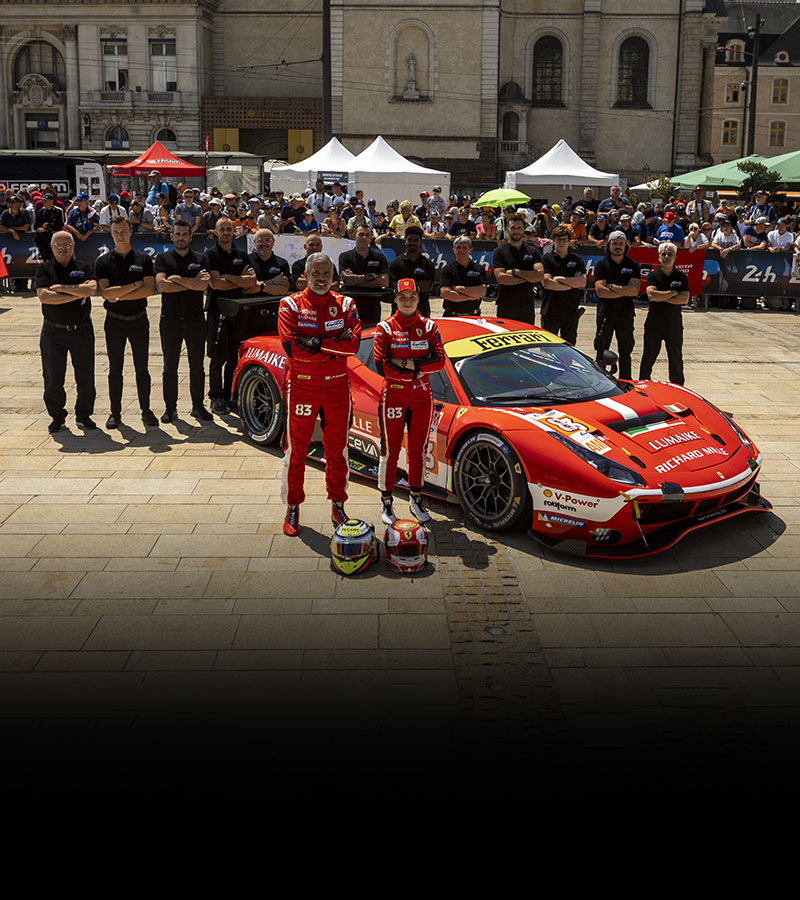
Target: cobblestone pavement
{"points": [[147, 589]]}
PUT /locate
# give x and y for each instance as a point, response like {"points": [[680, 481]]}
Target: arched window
{"points": [[634, 67], [168, 138], [548, 66], [510, 127], [117, 138], [40, 58]]}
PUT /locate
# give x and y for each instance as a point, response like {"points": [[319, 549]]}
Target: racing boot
{"points": [[417, 509], [338, 515], [387, 512], [291, 524]]}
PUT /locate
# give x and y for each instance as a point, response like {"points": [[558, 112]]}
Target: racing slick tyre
{"points": [[490, 482], [260, 405]]}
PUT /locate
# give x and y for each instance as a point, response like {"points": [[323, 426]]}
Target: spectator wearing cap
{"points": [[359, 217], [319, 202], [372, 210], [338, 193], [434, 227], [780, 238], [648, 228], [726, 238], [49, 219], [125, 200], [157, 186], [756, 236], [110, 212], [436, 203], [761, 209], [627, 228], [309, 223], [452, 204], [82, 219], [140, 217], [208, 222], [16, 220], [189, 211], [462, 225], [599, 232], [421, 211], [697, 209], [269, 218], [293, 214], [670, 231], [381, 227]]}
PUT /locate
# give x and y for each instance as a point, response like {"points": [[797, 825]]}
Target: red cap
{"points": [[406, 284], [669, 215]]}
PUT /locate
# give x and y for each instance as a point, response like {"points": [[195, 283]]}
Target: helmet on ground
{"points": [[353, 547], [406, 546]]}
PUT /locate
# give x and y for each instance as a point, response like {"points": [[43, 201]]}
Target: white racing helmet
{"points": [[406, 546]]}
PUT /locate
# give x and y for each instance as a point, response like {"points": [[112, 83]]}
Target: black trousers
{"points": [[669, 330], [225, 333], [118, 332], [562, 318], [55, 344], [174, 333], [619, 323]]}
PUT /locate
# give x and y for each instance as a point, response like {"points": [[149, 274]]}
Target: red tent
{"points": [[158, 157]]}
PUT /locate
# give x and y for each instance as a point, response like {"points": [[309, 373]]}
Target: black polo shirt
{"points": [[178, 305], [122, 270], [9, 220], [471, 275], [675, 281], [52, 219], [374, 263], [291, 218], [267, 269], [616, 273], [569, 265], [299, 266], [469, 228], [215, 259], [524, 258], [49, 273], [420, 269]]}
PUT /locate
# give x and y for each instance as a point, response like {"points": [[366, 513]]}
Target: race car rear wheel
{"points": [[260, 405], [490, 482]]}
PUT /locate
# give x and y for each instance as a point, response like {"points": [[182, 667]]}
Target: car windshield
{"points": [[534, 374]]}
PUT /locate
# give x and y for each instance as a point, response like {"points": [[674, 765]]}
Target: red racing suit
{"points": [[406, 396], [317, 381]]}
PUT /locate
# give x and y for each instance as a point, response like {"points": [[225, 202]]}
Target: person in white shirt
{"points": [[780, 238], [319, 202], [111, 211]]}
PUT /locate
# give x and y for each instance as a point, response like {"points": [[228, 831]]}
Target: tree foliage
{"points": [[662, 189], [760, 178]]}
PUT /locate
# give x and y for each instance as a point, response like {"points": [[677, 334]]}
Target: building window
{"points": [[117, 138], [168, 138], [730, 133], [163, 67], [780, 90], [40, 58], [777, 134], [634, 66], [734, 52], [732, 90], [41, 131], [548, 66], [115, 65]]}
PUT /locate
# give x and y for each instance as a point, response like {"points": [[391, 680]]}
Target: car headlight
{"points": [[607, 467]]}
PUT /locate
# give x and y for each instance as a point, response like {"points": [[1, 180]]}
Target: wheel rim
{"points": [[487, 482], [259, 407]]}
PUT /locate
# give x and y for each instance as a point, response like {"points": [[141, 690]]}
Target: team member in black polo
{"points": [[182, 280], [64, 286], [126, 281], [49, 219], [364, 270], [667, 291], [272, 273], [617, 280], [313, 244], [231, 275], [517, 267], [462, 282], [562, 286], [412, 264]]}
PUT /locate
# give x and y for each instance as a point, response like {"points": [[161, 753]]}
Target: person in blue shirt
{"points": [[309, 223], [670, 231], [761, 208], [157, 186]]}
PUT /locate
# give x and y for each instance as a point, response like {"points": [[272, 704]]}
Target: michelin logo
{"points": [[561, 520]]}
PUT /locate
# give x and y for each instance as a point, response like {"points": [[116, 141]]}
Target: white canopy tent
{"points": [[333, 159], [383, 173], [559, 168]]}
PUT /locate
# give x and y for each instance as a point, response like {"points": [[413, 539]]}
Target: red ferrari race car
{"points": [[529, 431]]}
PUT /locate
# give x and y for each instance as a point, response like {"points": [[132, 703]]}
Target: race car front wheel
{"points": [[260, 405], [490, 482]]}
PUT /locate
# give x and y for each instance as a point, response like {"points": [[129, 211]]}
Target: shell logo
{"points": [[547, 492]]}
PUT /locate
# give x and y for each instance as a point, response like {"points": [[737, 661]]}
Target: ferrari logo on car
{"points": [[461, 411]]}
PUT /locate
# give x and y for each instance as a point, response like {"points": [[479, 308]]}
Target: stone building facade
{"points": [[474, 86]]}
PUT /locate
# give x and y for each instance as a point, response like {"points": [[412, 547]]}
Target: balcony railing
{"points": [[113, 96], [159, 96], [509, 146]]}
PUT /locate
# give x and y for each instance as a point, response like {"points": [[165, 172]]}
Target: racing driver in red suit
{"points": [[407, 347], [319, 329]]}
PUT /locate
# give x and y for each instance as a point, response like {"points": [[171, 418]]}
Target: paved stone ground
{"points": [[149, 595]]}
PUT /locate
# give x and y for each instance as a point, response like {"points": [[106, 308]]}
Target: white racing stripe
{"points": [[489, 326], [625, 411]]}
